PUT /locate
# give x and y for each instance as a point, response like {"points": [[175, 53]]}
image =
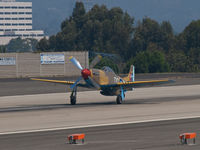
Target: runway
{"points": [[43, 121], [149, 136]]}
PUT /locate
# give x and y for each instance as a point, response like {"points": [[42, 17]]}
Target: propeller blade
{"points": [[76, 62], [97, 86], [95, 61], [73, 85]]}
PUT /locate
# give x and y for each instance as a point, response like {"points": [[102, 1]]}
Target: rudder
{"points": [[131, 74]]}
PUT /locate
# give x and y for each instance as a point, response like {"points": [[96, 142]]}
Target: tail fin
{"points": [[131, 74]]}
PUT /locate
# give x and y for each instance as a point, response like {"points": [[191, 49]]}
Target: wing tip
{"points": [[33, 78]]}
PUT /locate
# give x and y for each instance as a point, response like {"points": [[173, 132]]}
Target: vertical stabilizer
{"points": [[131, 74]]}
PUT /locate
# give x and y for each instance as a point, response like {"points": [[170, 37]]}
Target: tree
{"points": [[149, 62], [150, 32], [147, 31], [78, 15], [179, 62], [151, 46], [191, 35], [167, 36], [98, 30], [157, 62], [43, 45], [194, 56], [2, 49], [22, 45]]}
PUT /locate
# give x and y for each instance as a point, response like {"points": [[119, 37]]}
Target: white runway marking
{"points": [[98, 125]]}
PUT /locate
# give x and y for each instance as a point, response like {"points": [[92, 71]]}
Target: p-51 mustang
{"points": [[104, 80]]}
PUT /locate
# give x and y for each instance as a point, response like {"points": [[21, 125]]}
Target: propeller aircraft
{"points": [[104, 80]]}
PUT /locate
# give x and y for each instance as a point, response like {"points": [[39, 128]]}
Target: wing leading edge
{"points": [[139, 83], [54, 81], [134, 84], [59, 82]]}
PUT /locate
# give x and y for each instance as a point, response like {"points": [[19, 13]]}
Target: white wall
{"points": [[29, 65]]}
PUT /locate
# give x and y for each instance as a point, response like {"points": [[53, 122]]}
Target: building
{"points": [[16, 21]]}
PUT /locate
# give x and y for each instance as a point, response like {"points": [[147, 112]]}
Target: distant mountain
{"points": [[48, 14]]}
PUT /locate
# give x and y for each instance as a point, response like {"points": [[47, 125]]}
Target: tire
{"points": [[73, 100], [119, 99]]}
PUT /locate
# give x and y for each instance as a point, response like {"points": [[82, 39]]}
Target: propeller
{"points": [[84, 72], [95, 61], [76, 63], [94, 83]]}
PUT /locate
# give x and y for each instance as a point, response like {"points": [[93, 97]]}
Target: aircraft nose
{"points": [[86, 73]]}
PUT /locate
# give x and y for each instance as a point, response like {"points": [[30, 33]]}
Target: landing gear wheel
{"points": [[119, 99], [73, 100], [73, 96]]}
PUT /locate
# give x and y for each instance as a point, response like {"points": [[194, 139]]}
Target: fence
{"points": [[40, 64]]}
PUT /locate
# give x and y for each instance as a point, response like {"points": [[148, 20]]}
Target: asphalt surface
{"points": [[49, 111], [25, 86], [162, 135]]}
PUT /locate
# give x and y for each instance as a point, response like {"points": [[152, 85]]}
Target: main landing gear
{"points": [[119, 99], [73, 96]]}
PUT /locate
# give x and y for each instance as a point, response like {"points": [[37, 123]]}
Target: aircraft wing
{"points": [[59, 82], [136, 84]]}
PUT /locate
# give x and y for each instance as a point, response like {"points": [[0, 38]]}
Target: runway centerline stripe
{"points": [[97, 125]]}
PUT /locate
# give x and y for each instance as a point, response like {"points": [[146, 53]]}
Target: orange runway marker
{"points": [[185, 136], [74, 137]]}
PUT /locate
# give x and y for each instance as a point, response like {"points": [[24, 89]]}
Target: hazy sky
{"points": [[48, 14], [179, 12]]}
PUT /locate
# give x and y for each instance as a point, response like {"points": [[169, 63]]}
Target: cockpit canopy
{"points": [[107, 69]]}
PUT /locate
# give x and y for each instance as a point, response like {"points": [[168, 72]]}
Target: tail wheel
{"points": [[119, 99], [73, 100]]}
